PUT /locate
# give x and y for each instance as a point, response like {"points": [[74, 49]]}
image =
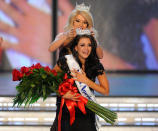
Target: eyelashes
{"points": [[85, 22], [90, 45], [77, 20]]}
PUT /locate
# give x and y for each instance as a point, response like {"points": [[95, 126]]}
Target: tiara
{"points": [[82, 7], [83, 32]]}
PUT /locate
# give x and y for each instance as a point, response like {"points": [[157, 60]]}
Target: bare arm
{"points": [[102, 87], [99, 52], [99, 49], [62, 40], [58, 42]]}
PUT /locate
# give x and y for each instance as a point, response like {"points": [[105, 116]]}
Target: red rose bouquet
{"points": [[35, 82], [39, 82]]}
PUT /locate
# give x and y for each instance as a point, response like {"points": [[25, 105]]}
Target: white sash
{"points": [[83, 88]]}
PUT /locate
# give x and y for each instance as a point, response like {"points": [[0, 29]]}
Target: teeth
{"points": [[85, 53]]}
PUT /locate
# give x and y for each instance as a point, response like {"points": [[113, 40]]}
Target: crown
{"points": [[83, 32], [82, 7]]}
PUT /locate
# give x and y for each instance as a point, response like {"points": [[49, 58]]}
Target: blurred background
{"points": [[26, 29], [127, 31]]}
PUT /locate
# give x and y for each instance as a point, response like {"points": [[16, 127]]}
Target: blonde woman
{"points": [[80, 18]]}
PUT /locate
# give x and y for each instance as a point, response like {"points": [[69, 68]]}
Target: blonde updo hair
{"points": [[86, 14]]}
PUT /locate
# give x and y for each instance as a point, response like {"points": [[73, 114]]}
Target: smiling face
{"points": [[84, 48], [80, 22]]}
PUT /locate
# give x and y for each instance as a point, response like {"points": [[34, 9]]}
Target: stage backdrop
{"points": [[26, 29], [127, 29]]}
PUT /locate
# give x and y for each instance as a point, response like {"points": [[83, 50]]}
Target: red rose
{"points": [[37, 66], [47, 69], [24, 69], [54, 72], [16, 75], [31, 68], [28, 73], [21, 75]]}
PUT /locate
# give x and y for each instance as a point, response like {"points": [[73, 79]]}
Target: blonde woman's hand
{"points": [[92, 33], [71, 33]]}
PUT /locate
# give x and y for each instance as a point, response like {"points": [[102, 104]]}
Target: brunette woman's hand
{"points": [[71, 96], [79, 76]]}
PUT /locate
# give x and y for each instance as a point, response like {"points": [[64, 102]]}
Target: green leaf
{"points": [[34, 99], [44, 90], [28, 97], [44, 76], [22, 96], [53, 87], [33, 85]]}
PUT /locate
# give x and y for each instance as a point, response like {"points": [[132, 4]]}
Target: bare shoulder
{"points": [[57, 68]]}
